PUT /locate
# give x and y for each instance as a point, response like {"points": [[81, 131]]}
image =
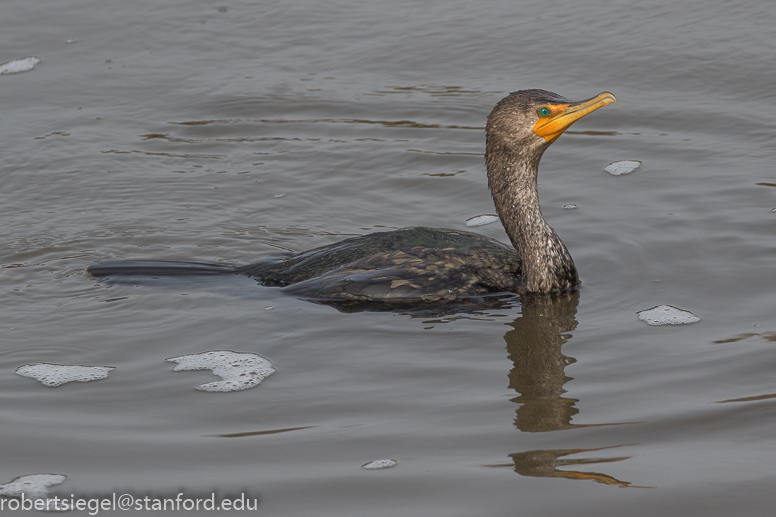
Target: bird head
{"points": [[536, 118]]}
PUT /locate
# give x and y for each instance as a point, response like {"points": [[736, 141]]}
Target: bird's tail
{"points": [[111, 268]]}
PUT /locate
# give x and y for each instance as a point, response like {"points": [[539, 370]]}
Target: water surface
{"points": [[230, 132]]}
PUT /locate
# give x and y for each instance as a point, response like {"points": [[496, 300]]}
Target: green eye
{"points": [[544, 111]]}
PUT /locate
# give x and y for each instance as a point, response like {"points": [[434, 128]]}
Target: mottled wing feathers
{"points": [[412, 264]]}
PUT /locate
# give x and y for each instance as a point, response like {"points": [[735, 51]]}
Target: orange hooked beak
{"points": [[559, 117]]}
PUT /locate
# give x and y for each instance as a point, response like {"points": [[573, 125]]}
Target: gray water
{"points": [[229, 132]]}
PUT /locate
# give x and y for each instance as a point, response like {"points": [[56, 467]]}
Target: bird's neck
{"points": [[547, 265]]}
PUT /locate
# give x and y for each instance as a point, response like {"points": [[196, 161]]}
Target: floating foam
{"points": [[481, 220], [379, 464], [58, 374], [570, 206], [667, 315], [622, 167], [239, 371], [34, 486], [17, 66]]}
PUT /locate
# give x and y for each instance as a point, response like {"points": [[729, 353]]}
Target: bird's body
{"points": [[436, 265], [411, 264]]}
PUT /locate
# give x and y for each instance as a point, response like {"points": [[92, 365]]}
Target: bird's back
{"points": [[411, 264]]}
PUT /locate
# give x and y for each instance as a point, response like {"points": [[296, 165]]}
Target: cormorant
{"points": [[420, 264]]}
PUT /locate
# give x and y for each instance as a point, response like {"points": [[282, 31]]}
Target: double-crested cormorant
{"points": [[428, 264]]}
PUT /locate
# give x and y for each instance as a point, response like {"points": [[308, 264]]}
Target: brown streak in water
{"points": [[593, 133], [749, 399], [261, 433], [203, 156], [385, 123], [574, 426], [767, 336]]}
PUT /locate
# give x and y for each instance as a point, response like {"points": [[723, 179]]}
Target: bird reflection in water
{"points": [[534, 346], [545, 464], [538, 375]]}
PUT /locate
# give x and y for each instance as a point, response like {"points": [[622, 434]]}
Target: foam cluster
{"points": [[16, 66], [34, 486], [54, 375], [481, 220], [622, 167], [239, 371], [379, 464], [667, 315]]}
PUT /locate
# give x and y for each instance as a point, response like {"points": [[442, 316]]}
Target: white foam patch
{"points": [[34, 486], [17, 66], [667, 315], [481, 220], [239, 371], [622, 167], [54, 375], [379, 464]]}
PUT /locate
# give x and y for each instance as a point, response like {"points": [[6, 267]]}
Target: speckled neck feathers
{"points": [[512, 158]]}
